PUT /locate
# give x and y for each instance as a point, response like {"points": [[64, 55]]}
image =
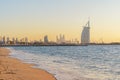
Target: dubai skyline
{"points": [[36, 18]]}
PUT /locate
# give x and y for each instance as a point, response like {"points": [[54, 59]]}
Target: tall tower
{"points": [[16, 41], [8, 40], [46, 39], [4, 41], [85, 36], [26, 40], [13, 40]]}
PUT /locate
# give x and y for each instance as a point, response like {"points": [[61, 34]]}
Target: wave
{"points": [[66, 67]]}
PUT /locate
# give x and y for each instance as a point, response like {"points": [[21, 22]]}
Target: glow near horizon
{"points": [[36, 18]]}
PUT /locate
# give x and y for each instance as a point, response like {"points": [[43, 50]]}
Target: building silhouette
{"points": [[60, 39], [4, 40], [16, 41], [85, 36], [13, 40], [26, 40], [46, 39], [8, 40]]}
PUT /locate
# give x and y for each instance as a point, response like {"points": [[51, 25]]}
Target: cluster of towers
{"points": [[7, 40], [60, 39]]}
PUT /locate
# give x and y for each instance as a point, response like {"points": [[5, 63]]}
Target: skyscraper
{"points": [[16, 41], [85, 36], [46, 39], [8, 40], [13, 40], [60, 39], [4, 41], [26, 40]]}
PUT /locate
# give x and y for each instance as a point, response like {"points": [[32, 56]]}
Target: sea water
{"points": [[95, 62]]}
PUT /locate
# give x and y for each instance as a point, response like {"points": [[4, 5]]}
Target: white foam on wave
{"points": [[62, 68]]}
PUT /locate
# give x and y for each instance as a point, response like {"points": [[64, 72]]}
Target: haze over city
{"points": [[36, 18]]}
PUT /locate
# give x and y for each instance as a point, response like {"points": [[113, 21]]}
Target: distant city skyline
{"points": [[36, 18], [59, 39]]}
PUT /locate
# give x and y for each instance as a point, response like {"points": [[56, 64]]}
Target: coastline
{"points": [[13, 69]]}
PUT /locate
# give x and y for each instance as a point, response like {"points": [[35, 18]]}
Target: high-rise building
{"points": [[46, 39], [13, 40], [63, 38], [85, 36], [4, 41], [60, 39], [8, 40], [16, 41], [26, 40], [57, 39]]}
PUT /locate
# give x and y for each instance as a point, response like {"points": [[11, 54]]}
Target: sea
{"points": [[93, 62]]}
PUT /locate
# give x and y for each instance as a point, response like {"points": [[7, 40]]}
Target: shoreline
{"points": [[14, 69]]}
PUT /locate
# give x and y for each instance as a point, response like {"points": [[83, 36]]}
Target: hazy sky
{"points": [[36, 18]]}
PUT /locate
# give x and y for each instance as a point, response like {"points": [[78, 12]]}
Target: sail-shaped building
{"points": [[85, 36]]}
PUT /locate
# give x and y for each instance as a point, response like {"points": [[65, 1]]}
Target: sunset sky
{"points": [[36, 18]]}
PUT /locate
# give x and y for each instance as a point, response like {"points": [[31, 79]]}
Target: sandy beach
{"points": [[13, 69]]}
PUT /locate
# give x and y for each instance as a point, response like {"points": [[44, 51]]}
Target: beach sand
{"points": [[13, 69]]}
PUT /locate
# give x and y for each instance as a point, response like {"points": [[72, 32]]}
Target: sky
{"points": [[36, 18]]}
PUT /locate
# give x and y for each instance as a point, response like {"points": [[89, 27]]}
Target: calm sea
{"points": [[100, 62]]}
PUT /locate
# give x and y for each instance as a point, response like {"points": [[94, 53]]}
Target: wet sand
{"points": [[13, 69]]}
